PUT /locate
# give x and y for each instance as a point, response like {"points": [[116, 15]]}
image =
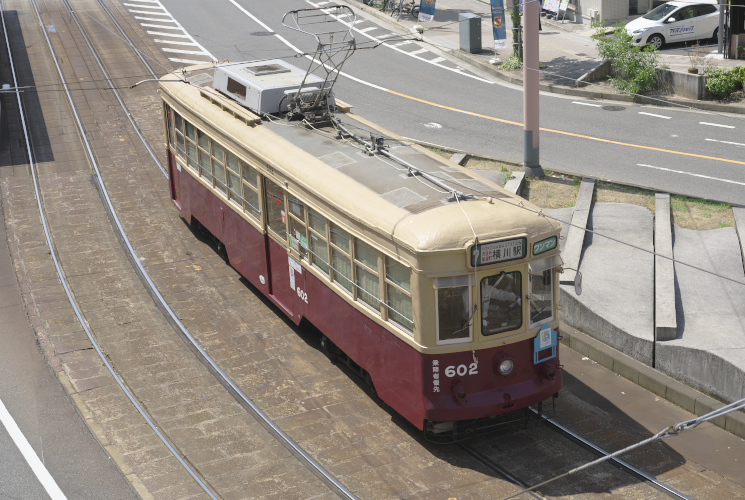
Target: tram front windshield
{"points": [[501, 303]]}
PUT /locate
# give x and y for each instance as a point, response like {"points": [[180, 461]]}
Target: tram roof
{"points": [[374, 190]]}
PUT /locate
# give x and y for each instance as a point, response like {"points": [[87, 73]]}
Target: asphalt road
{"points": [[673, 150]]}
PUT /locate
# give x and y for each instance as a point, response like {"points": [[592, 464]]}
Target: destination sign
{"points": [[544, 245], [499, 251]]}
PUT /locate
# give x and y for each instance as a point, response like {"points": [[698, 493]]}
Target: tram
{"points": [[436, 284]]}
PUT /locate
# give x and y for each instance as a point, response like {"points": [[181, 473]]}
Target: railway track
{"points": [[279, 368]]}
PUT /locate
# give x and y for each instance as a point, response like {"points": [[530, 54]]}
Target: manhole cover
{"points": [[261, 33], [614, 108]]}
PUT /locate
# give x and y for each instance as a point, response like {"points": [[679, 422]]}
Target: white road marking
{"points": [[365, 30], [656, 116], [157, 20], [432, 125], [438, 60], [160, 33], [417, 52], [41, 472], [715, 125], [186, 61], [448, 148], [190, 52], [151, 12], [691, 174], [587, 104], [174, 42], [726, 142], [161, 26]]}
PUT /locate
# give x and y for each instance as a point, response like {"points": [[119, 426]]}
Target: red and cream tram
{"points": [[437, 283]]}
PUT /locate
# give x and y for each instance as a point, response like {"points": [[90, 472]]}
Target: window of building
{"points": [[501, 303]]}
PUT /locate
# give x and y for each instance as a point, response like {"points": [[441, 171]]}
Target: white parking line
{"points": [[691, 174], [656, 116], [588, 104], [715, 125], [726, 142], [41, 472]]}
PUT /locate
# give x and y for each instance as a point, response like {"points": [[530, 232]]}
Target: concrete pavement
{"points": [[683, 321]]}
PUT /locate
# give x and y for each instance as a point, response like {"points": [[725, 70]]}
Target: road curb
{"points": [[652, 380]]}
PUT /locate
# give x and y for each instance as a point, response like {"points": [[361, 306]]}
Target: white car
{"points": [[676, 21]]}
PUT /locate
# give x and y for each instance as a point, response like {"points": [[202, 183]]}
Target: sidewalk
{"points": [[567, 51]]}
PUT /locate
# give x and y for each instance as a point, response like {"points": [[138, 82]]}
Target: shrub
{"points": [[635, 67], [722, 82]]}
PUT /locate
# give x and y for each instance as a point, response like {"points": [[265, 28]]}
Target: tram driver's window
{"points": [[501, 303], [275, 209]]}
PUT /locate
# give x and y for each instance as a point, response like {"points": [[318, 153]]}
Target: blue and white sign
{"points": [[544, 345], [498, 24], [426, 11]]}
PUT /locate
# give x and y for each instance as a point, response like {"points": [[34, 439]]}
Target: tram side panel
{"points": [[244, 244], [394, 366]]}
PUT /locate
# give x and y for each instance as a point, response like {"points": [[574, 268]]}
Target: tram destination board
{"points": [[499, 251]]}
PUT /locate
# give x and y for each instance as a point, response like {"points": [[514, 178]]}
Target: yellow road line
{"points": [[572, 134]]}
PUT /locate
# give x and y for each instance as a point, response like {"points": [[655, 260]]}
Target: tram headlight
{"points": [[503, 364]]}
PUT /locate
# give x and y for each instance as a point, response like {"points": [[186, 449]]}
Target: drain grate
{"points": [[262, 33], [614, 108]]}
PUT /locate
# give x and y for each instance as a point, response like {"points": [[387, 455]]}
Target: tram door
{"points": [[174, 179]]}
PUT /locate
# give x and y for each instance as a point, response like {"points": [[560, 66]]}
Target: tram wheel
{"points": [[329, 348]]}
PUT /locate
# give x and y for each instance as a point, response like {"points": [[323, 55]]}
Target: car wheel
{"points": [[715, 36], [656, 41]]}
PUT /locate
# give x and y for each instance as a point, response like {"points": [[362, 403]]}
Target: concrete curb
{"points": [[572, 252], [665, 319], [651, 379], [740, 227]]}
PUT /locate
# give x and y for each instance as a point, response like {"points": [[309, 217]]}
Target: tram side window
{"points": [[501, 302], [218, 166], [298, 233], [398, 293], [179, 126], [205, 164], [541, 295], [366, 270], [191, 146], [275, 208], [341, 249], [319, 247]]}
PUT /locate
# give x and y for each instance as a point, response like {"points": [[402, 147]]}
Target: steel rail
{"points": [[63, 278], [652, 481], [224, 379], [486, 461], [113, 87]]}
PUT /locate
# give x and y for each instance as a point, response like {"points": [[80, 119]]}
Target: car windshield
{"points": [[660, 12]]}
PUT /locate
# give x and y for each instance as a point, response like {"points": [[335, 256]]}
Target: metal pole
{"points": [[720, 31], [531, 76]]}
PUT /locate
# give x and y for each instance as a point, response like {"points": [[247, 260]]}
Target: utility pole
{"points": [[531, 77], [720, 31]]}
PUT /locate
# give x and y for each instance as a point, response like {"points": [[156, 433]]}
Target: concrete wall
{"points": [[682, 84]]}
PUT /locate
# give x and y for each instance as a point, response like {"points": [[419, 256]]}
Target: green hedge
{"points": [[722, 82]]}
